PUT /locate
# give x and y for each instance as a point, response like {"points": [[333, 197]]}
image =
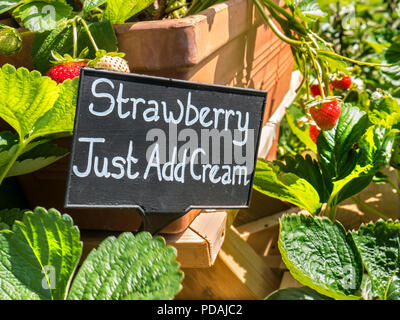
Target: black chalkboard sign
{"points": [[162, 145]]}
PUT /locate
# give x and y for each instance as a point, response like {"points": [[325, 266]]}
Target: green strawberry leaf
{"points": [[375, 151], [103, 34], [309, 10], [9, 216], [128, 267], [39, 16], [62, 114], [319, 254], [38, 256], [308, 169], [60, 40], [385, 110], [6, 5], [118, 11], [24, 98], [36, 106], [292, 113], [367, 291], [379, 247], [335, 147], [89, 5], [303, 293], [270, 180], [335, 63], [8, 146], [36, 159]]}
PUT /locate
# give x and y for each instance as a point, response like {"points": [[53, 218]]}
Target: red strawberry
{"points": [[315, 91], [314, 132], [67, 70], [342, 84], [327, 114]]}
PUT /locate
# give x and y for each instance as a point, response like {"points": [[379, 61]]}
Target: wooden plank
{"points": [[289, 282], [262, 235], [264, 223], [197, 246], [238, 274], [211, 227]]}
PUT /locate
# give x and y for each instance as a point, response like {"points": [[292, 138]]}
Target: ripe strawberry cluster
{"points": [[327, 114], [70, 69]]}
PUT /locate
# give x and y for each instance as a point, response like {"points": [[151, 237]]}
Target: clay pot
{"points": [[226, 44]]}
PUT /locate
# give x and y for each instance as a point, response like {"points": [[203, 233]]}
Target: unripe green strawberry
{"points": [[112, 63], [67, 70], [327, 114]]}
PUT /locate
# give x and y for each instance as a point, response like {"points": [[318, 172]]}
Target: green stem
{"points": [[368, 208], [318, 71], [275, 8], [274, 28], [332, 212], [361, 63], [10, 163], [89, 33], [75, 39]]}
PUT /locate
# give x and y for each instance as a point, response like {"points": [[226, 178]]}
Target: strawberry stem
{"points": [[274, 28], [83, 22], [75, 39]]}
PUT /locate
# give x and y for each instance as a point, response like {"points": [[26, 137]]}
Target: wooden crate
{"points": [[197, 246], [239, 273]]}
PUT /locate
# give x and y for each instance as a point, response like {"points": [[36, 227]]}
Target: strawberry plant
{"points": [[353, 141], [351, 132], [330, 262], [33, 266]]}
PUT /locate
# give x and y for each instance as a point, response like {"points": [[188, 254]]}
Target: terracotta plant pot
{"points": [[226, 44]]}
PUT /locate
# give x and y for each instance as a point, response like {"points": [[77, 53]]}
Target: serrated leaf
{"points": [[303, 293], [24, 98], [38, 158], [39, 16], [59, 40], [269, 180], [89, 5], [60, 119], [319, 254], [38, 256], [311, 9], [308, 169], [379, 247], [375, 151], [118, 11], [335, 147], [9, 216], [128, 267], [385, 110], [335, 63]]}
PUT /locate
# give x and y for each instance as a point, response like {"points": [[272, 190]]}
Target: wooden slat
{"points": [[239, 273], [289, 282], [197, 246]]}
